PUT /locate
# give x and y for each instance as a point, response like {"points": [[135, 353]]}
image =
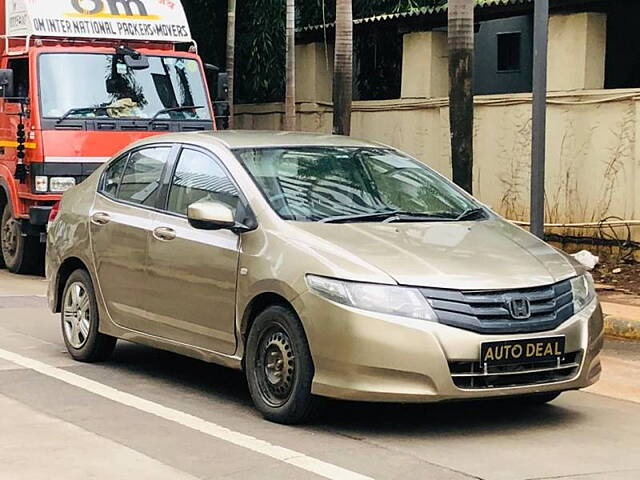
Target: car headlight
{"points": [[389, 299], [583, 291], [61, 184]]}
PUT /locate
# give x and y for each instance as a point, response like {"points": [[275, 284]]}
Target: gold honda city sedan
{"points": [[321, 266]]}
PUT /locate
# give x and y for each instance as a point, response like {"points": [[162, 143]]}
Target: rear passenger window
{"points": [[142, 176], [113, 177], [200, 178]]}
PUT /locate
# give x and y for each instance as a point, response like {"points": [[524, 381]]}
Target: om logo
{"points": [[116, 7]]}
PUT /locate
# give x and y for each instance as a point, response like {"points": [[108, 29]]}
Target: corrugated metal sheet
{"points": [[417, 12]]}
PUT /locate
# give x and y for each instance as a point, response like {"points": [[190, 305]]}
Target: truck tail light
{"points": [[54, 212]]}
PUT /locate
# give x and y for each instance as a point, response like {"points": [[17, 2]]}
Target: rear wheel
{"points": [[279, 368], [20, 253], [80, 321]]}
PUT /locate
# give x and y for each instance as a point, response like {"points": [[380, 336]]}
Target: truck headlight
{"points": [[583, 291], [41, 183], [61, 184], [389, 299]]}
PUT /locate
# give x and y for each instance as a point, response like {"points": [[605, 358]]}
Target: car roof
{"points": [[237, 139]]}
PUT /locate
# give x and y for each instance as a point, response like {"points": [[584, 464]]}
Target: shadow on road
{"points": [[355, 419]]}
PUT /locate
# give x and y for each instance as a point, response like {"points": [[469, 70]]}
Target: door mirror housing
{"points": [[210, 216], [6, 83]]}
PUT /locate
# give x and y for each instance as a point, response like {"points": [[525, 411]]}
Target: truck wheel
{"points": [[279, 368], [21, 254]]}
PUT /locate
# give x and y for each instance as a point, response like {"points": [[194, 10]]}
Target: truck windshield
{"points": [[75, 85]]}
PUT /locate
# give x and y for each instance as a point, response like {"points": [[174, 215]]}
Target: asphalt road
{"points": [[147, 414]]}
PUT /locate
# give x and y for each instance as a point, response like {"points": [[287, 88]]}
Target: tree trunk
{"points": [[290, 95], [461, 41], [343, 70], [231, 57]]}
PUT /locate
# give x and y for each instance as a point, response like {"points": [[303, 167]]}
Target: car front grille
{"points": [[487, 311], [474, 375]]}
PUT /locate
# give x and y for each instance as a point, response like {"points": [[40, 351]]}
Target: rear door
{"points": [[193, 272], [121, 223]]}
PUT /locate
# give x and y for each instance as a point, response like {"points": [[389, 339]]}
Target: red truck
{"points": [[79, 80]]}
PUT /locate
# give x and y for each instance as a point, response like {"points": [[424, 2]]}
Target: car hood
{"points": [[484, 255]]}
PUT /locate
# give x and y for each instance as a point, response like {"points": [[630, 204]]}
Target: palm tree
{"points": [[231, 55], [461, 40], [343, 70], [290, 95]]}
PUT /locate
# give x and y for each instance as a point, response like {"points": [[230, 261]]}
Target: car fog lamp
{"points": [[388, 299], [61, 184]]}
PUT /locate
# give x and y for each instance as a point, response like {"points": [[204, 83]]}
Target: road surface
{"points": [[148, 414]]}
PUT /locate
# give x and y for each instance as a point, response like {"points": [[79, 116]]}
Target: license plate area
{"points": [[530, 351]]}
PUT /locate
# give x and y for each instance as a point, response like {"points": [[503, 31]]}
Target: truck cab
{"points": [[80, 80]]}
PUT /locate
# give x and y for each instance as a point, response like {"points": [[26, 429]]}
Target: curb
{"points": [[620, 326]]}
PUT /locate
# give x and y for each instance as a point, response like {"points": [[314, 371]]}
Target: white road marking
{"points": [[310, 464]]}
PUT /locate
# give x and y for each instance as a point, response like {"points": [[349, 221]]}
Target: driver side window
{"points": [[198, 177]]}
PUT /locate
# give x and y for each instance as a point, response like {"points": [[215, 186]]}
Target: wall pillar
{"points": [[314, 78], [577, 49], [425, 70]]}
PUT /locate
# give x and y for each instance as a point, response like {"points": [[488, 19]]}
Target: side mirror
{"points": [[222, 94], [6, 83], [210, 216]]}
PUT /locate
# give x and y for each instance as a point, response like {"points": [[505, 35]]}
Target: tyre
{"points": [[80, 321], [279, 368], [20, 253]]}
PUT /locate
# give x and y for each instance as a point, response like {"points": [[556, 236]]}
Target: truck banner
{"points": [[150, 20]]}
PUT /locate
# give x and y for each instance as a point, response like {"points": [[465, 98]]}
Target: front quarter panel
{"points": [[68, 236]]}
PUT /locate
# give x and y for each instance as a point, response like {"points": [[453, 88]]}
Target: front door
{"points": [[121, 223], [193, 272]]}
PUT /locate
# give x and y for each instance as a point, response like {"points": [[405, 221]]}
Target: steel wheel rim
{"points": [[275, 366], [10, 237], [76, 315]]}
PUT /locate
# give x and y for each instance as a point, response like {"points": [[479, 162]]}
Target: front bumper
{"points": [[366, 356]]}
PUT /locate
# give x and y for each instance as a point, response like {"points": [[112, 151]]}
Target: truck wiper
{"points": [[73, 111], [174, 109]]}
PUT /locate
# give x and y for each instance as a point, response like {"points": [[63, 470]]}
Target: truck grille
{"points": [[473, 375], [488, 311]]}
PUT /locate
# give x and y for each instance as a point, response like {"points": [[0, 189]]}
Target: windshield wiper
{"points": [[360, 217], [390, 216], [72, 111], [174, 109], [472, 214]]}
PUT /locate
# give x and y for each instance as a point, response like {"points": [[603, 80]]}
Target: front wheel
{"points": [[20, 253], [80, 321], [279, 368]]}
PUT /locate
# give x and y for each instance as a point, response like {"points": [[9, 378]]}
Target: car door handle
{"points": [[100, 218], [164, 233]]}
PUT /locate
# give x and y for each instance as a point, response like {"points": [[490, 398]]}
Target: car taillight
{"points": [[54, 212]]}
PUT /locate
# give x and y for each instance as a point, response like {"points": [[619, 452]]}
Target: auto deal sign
{"points": [[151, 20]]}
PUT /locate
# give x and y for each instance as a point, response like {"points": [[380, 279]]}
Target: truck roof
{"points": [[135, 20]]}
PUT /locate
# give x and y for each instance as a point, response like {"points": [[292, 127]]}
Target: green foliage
{"points": [[260, 41], [208, 22], [260, 50]]}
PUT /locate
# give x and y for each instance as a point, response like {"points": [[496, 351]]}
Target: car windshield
{"points": [[353, 184], [103, 86]]}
